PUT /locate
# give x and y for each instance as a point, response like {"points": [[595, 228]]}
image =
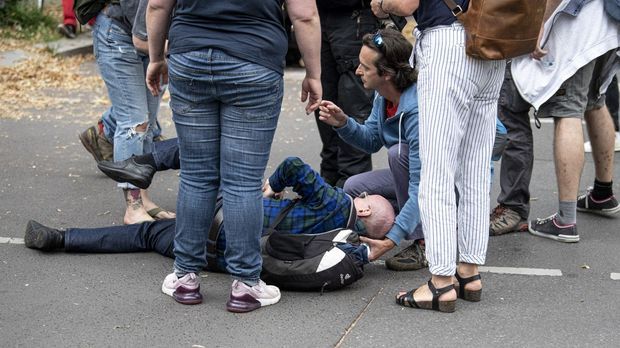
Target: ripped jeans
{"points": [[123, 69]]}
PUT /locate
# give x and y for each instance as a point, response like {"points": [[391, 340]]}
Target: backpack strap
{"points": [[283, 213], [352, 214], [455, 8]]}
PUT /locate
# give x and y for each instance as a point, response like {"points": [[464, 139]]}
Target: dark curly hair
{"points": [[394, 52]]}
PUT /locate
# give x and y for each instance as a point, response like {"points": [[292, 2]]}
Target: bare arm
{"points": [[157, 23], [140, 45], [381, 8], [539, 52], [305, 19]]}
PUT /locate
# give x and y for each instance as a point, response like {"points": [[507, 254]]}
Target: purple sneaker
{"points": [[244, 298], [185, 290]]}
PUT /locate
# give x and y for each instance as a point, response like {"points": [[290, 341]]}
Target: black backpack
{"points": [[309, 262], [302, 262]]}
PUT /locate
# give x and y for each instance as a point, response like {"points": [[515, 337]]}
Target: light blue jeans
{"points": [[123, 70], [225, 110]]}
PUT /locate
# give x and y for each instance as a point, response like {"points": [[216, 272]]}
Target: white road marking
{"points": [[615, 276], [522, 271], [4, 240]]}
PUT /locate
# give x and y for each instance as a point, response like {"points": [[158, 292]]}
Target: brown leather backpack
{"points": [[500, 29]]}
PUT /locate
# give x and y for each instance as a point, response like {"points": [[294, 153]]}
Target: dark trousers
{"points": [[518, 157], [611, 99], [341, 35], [166, 154]]}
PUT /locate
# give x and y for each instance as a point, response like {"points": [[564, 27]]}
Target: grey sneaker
{"points": [[184, 290], [505, 220], [244, 298], [411, 258], [606, 207], [550, 228]]}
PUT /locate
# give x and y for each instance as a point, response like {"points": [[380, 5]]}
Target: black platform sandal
{"points": [[467, 295], [407, 300]]}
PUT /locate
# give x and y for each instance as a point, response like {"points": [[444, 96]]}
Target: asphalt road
{"points": [[103, 300]]}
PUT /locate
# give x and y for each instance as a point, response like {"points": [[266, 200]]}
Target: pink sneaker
{"points": [[244, 298], [185, 290]]}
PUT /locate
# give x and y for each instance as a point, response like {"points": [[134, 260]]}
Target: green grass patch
{"points": [[19, 19]]}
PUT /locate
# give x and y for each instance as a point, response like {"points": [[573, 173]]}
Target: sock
{"points": [[145, 159], [567, 213], [602, 190]]}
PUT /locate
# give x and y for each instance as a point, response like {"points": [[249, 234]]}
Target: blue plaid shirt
{"points": [[321, 207]]}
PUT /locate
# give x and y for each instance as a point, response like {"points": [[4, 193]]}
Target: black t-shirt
{"points": [[247, 29], [432, 13]]}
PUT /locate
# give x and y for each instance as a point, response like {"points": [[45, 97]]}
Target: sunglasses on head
{"points": [[378, 41]]}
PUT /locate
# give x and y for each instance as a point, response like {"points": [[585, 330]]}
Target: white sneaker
{"points": [[185, 290], [244, 298]]}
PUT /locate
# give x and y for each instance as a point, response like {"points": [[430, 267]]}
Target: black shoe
{"points": [[139, 175], [66, 30], [549, 228], [43, 237], [605, 207]]}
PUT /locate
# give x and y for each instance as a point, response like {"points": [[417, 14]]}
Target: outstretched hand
{"points": [[332, 114], [378, 247], [156, 76]]}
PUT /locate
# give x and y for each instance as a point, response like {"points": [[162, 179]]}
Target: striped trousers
{"points": [[458, 106]]}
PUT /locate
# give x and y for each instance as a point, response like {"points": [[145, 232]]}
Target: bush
{"points": [[20, 19]]}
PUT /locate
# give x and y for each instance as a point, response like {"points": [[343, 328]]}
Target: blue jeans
{"points": [[225, 110], [123, 69]]}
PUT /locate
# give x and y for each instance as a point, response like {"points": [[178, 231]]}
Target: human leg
{"points": [[567, 107], [377, 182], [517, 162], [342, 34], [69, 23], [155, 236], [134, 109]]}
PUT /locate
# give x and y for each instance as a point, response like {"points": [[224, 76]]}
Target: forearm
{"points": [[140, 45], [293, 172], [157, 23]]}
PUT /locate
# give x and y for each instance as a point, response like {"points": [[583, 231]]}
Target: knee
{"points": [[398, 153], [352, 186]]}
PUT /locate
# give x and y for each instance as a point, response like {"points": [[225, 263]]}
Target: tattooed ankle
{"points": [[133, 199]]}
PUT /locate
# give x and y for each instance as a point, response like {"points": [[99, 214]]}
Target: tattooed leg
{"points": [[135, 208]]}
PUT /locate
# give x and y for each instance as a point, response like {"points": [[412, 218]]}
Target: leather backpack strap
{"points": [[454, 7]]}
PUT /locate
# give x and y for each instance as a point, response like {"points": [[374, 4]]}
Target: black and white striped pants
{"points": [[458, 106]]}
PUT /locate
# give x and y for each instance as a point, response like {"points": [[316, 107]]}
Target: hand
{"points": [[538, 53], [156, 76], [378, 247], [312, 91], [331, 114], [268, 191], [375, 6]]}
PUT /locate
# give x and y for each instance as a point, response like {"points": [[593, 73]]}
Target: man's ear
{"points": [[363, 213]]}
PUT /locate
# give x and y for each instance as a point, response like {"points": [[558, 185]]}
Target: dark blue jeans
{"points": [[155, 236]]}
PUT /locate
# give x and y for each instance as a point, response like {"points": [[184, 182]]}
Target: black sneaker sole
{"points": [[560, 238], [34, 238]]}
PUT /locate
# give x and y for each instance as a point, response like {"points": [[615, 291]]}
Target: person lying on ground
{"points": [[321, 208]]}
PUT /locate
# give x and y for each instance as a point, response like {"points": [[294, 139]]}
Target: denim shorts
{"points": [[580, 93]]}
